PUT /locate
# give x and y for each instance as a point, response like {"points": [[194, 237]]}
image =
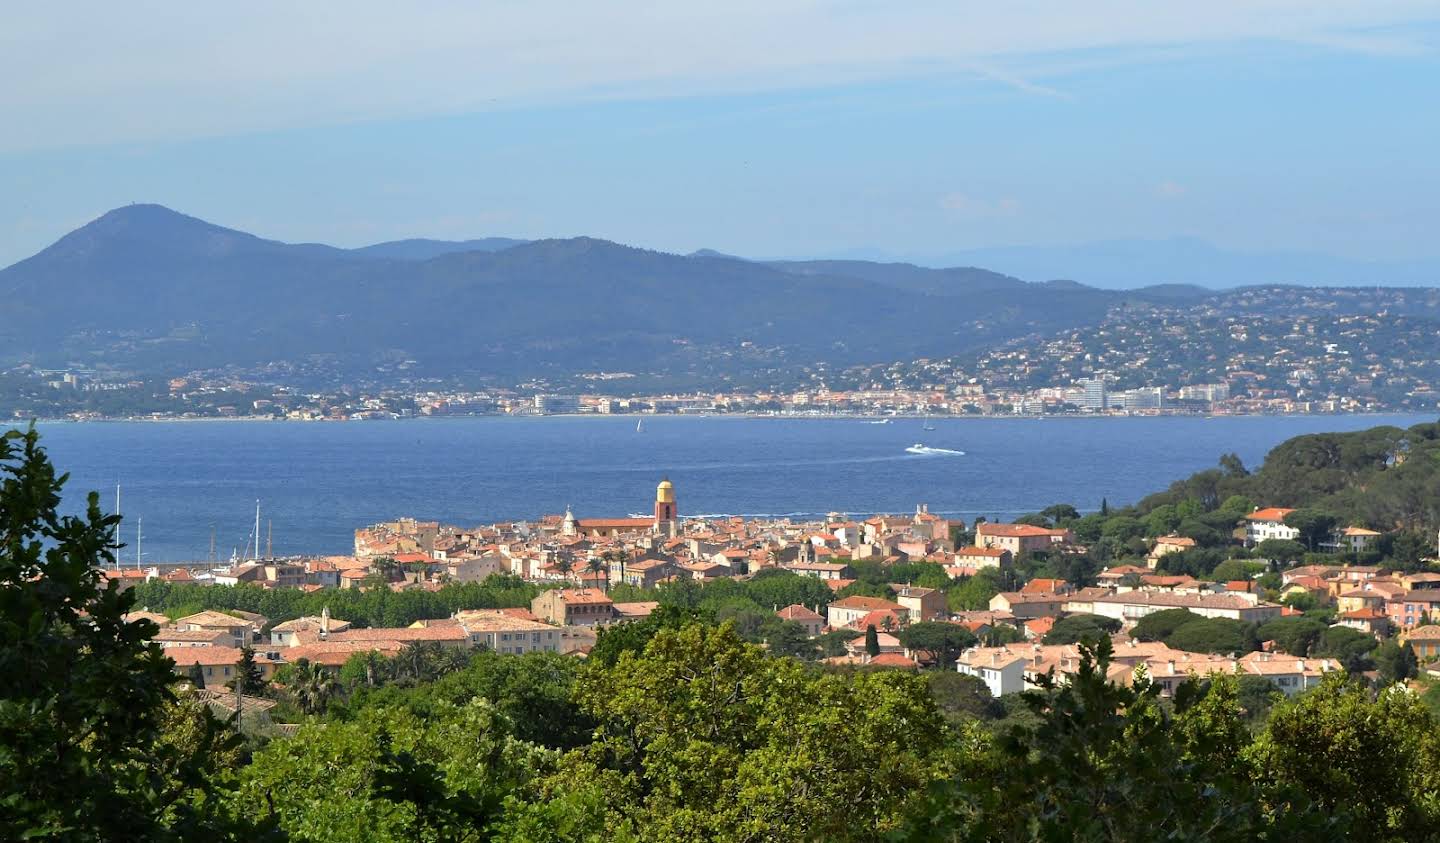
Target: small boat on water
{"points": [[928, 426], [880, 421]]}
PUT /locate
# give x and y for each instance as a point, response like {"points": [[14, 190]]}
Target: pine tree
{"points": [[196, 675], [872, 641], [1105, 507], [248, 674]]}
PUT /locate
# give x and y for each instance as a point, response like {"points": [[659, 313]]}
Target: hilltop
{"points": [[152, 289]]}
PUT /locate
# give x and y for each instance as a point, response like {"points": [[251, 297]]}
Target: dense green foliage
{"points": [[1077, 628], [92, 746], [371, 607]]}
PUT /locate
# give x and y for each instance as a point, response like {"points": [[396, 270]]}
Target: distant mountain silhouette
{"points": [[153, 289], [1124, 264], [906, 276], [420, 249]]}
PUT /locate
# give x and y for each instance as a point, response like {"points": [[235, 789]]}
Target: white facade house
{"points": [[1002, 671], [1131, 606], [1269, 523]]}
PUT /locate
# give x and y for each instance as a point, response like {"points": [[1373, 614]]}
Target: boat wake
{"points": [[926, 451]]}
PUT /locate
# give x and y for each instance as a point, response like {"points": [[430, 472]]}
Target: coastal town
{"points": [[593, 573], [85, 395]]}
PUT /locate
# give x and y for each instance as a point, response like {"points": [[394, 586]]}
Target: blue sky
{"points": [[766, 129]]}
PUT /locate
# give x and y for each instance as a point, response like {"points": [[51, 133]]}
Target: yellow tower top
{"points": [[665, 492]]}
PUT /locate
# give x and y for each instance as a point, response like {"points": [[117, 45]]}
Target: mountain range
{"points": [[144, 288]]}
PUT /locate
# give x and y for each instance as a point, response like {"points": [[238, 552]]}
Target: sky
{"points": [[774, 128]]}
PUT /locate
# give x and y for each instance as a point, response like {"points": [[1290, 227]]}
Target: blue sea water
{"points": [[318, 482]]}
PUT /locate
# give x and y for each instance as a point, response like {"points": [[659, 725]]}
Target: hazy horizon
{"points": [[791, 129]]}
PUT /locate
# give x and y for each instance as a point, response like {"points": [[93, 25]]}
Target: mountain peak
{"points": [[144, 219]]}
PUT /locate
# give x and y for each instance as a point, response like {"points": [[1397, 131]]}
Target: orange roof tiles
{"points": [[1273, 513]]}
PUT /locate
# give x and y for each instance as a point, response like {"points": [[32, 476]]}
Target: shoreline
{"points": [[868, 419]]}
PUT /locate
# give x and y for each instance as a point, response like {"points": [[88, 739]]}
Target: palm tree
{"points": [[597, 565], [312, 686], [565, 564]]}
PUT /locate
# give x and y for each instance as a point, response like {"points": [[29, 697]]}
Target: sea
{"points": [[316, 482]]}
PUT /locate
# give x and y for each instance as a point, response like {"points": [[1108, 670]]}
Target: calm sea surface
{"points": [[317, 482]]}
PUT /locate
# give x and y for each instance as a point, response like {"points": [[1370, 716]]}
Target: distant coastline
{"points": [[752, 416]]}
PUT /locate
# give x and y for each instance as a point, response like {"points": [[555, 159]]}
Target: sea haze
{"points": [[318, 482]]}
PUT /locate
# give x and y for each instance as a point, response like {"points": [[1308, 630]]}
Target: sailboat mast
{"points": [[257, 528], [117, 526], [139, 537]]}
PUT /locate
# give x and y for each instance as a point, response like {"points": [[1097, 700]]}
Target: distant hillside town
{"points": [[84, 395]]}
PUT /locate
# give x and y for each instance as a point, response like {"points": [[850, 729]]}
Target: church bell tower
{"points": [[665, 516]]}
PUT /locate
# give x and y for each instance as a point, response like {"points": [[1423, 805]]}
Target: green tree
{"points": [[1161, 521], [369, 669], [196, 674], [598, 566], [789, 639], [1396, 662], [943, 641], [1235, 569], [1215, 635], [614, 641], [389, 775], [1233, 468], [1106, 762], [1158, 626], [1314, 526], [872, 641], [248, 676], [85, 693], [1082, 627], [311, 686], [1280, 551], [1351, 646], [975, 593], [1371, 761], [709, 739], [1294, 635], [962, 699], [1256, 695]]}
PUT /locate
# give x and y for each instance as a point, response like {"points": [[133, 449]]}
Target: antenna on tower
{"points": [[212, 545], [269, 536]]}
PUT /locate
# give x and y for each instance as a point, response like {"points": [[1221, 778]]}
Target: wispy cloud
{"points": [[103, 72], [1018, 83]]}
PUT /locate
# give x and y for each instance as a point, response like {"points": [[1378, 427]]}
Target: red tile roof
{"points": [[1013, 530], [1274, 513]]}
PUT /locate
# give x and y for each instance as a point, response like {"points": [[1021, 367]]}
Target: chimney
{"points": [[1170, 667]]}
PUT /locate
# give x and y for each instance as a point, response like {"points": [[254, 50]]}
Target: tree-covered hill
{"points": [[1385, 478]]}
